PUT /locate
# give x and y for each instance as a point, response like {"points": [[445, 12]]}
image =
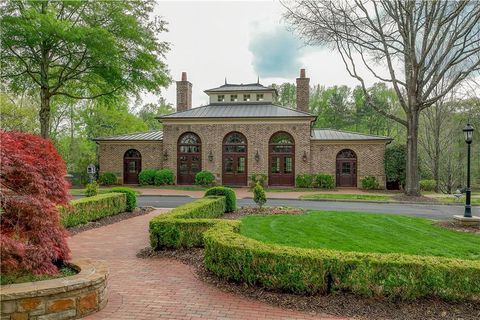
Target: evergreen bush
{"points": [[369, 183], [228, 193], [325, 181], [146, 177], [259, 195], [130, 194], [205, 178], [107, 179], [164, 177], [91, 189]]}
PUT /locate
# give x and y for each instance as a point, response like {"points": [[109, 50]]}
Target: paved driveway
{"points": [[161, 288]]}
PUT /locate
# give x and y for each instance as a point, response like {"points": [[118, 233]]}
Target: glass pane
{"points": [[281, 138], [345, 167], [229, 165], [189, 138], [275, 165], [195, 165], [132, 153], [346, 154], [288, 165], [235, 138], [282, 149], [132, 167], [241, 165]]}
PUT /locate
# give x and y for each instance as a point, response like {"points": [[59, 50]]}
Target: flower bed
{"points": [[70, 297]]}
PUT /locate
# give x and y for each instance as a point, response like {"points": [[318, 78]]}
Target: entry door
{"points": [[234, 170], [131, 169], [188, 166], [346, 173], [281, 170]]}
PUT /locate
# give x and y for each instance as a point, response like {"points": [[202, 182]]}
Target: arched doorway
{"points": [[189, 157], [234, 169], [346, 168], [281, 151], [132, 165]]}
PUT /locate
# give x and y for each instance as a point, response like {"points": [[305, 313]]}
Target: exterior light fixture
{"points": [[165, 155], [210, 156], [257, 156], [468, 132], [304, 158]]}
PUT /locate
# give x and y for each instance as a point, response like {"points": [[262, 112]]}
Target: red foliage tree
{"points": [[32, 185]]}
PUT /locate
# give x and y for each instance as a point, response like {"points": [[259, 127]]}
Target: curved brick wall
{"points": [[63, 298]]}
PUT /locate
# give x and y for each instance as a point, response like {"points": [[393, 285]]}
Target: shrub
{"points": [[205, 178], [228, 193], [260, 178], [92, 189], [164, 177], [147, 177], [428, 185], [396, 163], [32, 184], [369, 183], [93, 208], [259, 195], [130, 194], [107, 178], [309, 271], [325, 181], [304, 180], [184, 225]]}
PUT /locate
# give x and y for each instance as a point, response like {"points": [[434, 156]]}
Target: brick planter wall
{"points": [[63, 298]]}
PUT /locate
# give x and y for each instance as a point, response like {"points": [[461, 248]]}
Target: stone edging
{"points": [[62, 298]]}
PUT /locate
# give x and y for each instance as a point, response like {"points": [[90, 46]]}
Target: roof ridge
{"points": [[294, 109]]}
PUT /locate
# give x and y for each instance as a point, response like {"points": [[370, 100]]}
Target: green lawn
{"points": [[339, 196], [362, 232], [475, 200]]}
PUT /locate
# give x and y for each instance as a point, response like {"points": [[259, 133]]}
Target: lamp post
{"points": [[468, 132]]}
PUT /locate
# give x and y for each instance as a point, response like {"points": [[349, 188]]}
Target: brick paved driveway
{"points": [[161, 288]]}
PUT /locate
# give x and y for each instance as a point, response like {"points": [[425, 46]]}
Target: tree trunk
{"points": [[44, 113], [412, 176]]}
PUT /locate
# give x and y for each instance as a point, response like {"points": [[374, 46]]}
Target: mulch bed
{"points": [[109, 220], [342, 304], [252, 210], [419, 199], [457, 226]]}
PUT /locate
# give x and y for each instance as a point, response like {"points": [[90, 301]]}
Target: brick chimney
{"points": [[184, 94], [303, 92]]}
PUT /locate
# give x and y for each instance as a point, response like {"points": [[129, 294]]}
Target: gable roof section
{"points": [[228, 87], [141, 136], [332, 134], [238, 110]]}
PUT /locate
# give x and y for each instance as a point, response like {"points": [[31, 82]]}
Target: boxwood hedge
{"points": [[92, 208]]}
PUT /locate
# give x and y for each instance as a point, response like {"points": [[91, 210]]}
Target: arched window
{"points": [[346, 168], [132, 165], [281, 159], [189, 157], [234, 158]]}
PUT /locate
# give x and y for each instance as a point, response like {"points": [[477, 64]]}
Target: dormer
{"points": [[241, 93]]}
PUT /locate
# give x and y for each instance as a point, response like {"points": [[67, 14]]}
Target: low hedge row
{"points": [[93, 208], [184, 226], [306, 271]]}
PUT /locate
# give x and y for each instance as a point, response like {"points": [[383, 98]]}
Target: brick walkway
{"points": [[161, 288]]}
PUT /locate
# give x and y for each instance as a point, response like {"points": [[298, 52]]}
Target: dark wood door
{"points": [[281, 170], [234, 169], [188, 166], [131, 169], [346, 173]]}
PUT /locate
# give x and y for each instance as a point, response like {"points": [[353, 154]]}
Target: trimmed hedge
{"points": [[184, 225], [228, 193], [307, 271], [130, 194], [92, 208]]}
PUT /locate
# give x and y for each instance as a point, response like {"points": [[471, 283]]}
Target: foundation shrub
{"points": [[324, 181], [369, 183], [309, 271], [130, 194], [147, 177], [304, 180], [184, 226], [228, 193], [428, 185], [258, 178], [205, 179], [259, 196], [107, 179], [164, 177], [92, 208]]}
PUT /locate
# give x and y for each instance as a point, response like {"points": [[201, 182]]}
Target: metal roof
{"points": [[229, 87], [332, 134], [141, 136], [238, 110]]}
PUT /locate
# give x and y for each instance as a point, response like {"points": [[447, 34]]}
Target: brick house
{"points": [[241, 132]]}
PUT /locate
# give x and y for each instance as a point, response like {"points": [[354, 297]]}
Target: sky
{"points": [[239, 41]]}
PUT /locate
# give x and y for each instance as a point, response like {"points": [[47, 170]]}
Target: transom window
{"points": [[132, 153], [233, 98], [346, 154], [189, 143], [281, 142], [235, 142], [246, 97], [220, 98], [260, 97]]}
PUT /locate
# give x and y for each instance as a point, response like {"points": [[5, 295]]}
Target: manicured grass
{"points": [[30, 277], [362, 232], [451, 199], [340, 196], [81, 192]]}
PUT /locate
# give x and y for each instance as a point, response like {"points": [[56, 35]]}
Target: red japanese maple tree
{"points": [[32, 185]]}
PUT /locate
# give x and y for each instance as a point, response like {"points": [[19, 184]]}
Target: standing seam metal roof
{"points": [[141, 136], [332, 134], [240, 87]]}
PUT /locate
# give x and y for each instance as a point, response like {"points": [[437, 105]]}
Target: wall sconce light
{"points": [[210, 156], [165, 155], [257, 156], [304, 158]]}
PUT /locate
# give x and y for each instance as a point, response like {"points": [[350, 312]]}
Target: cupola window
{"points": [[246, 97], [220, 98], [233, 98], [260, 97]]}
